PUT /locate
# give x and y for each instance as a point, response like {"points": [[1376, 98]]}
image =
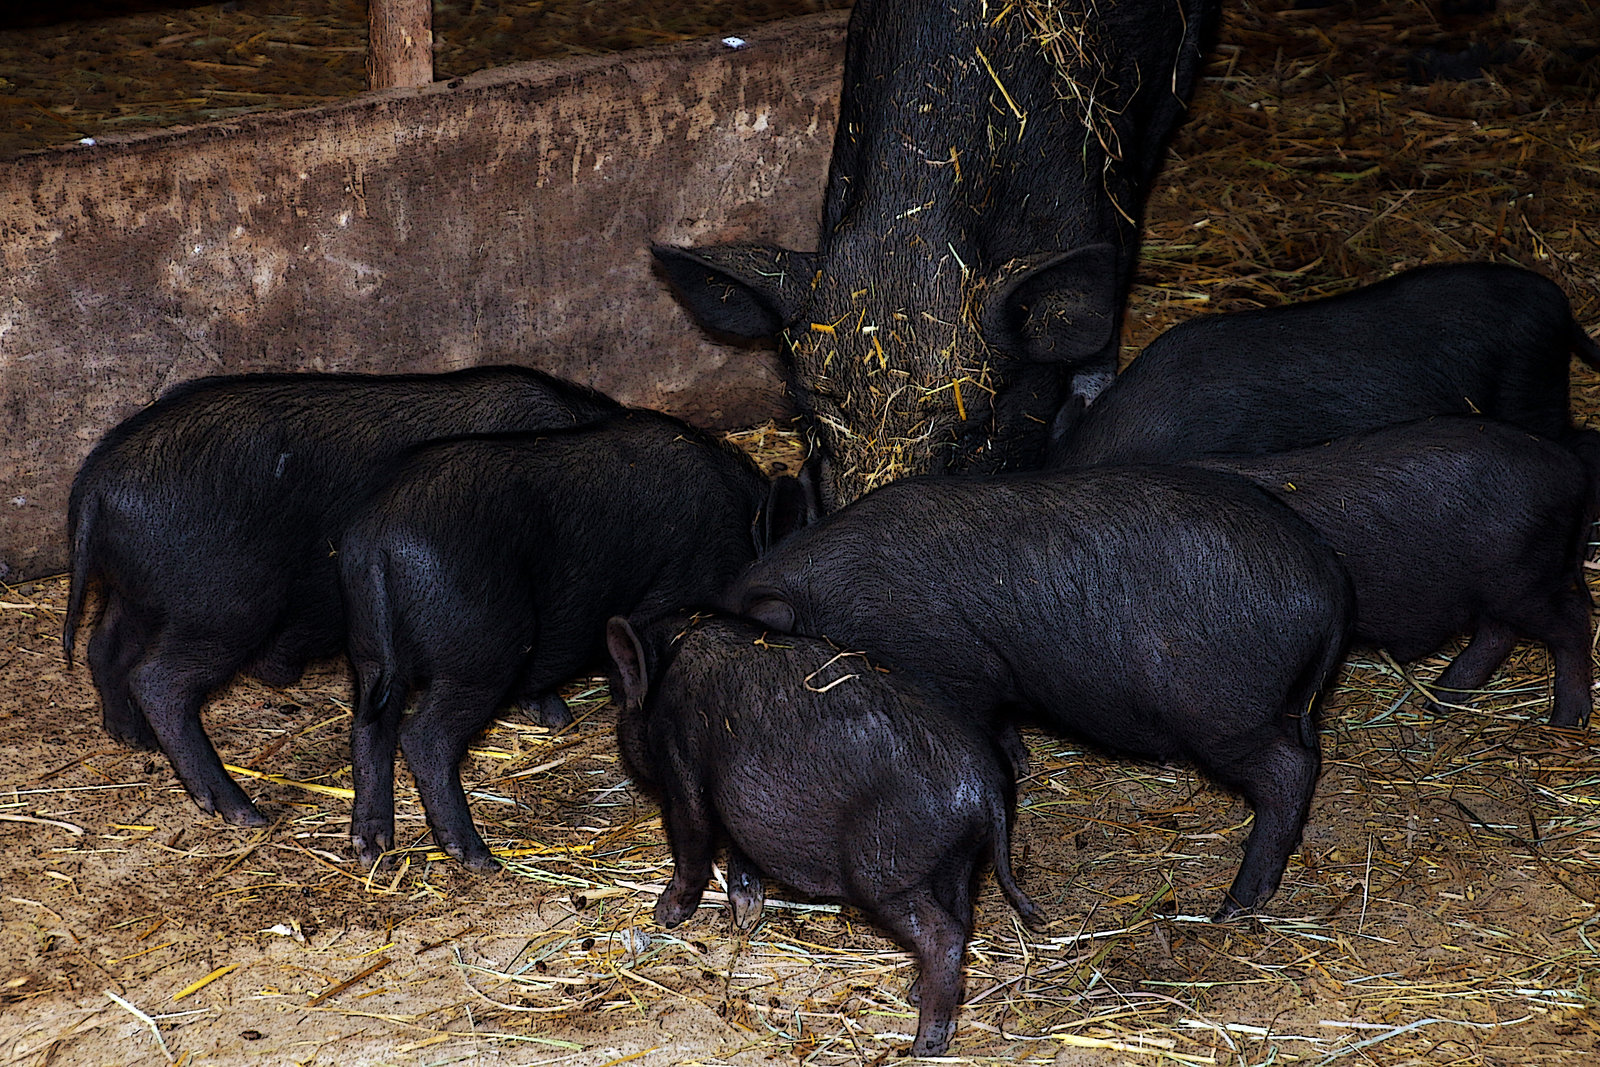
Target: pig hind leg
{"points": [[1277, 774], [374, 733], [119, 641], [435, 741], [1569, 631], [169, 686], [924, 919], [692, 835], [1562, 622]]}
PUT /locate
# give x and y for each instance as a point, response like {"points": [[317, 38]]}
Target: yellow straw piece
{"points": [[278, 779], [195, 987]]}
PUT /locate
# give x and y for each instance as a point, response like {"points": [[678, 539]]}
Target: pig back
{"points": [[1451, 339], [1437, 521], [1080, 597], [818, 761], [258, 472], [544, 536]]}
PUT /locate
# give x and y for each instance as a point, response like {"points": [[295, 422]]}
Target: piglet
{"points": [[1159, 613], [826, 773], [208, 522], [1450, 525], [1450, 339], [485, 572]]}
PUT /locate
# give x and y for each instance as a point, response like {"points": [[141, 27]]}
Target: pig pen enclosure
{"points": [[1441, 910]]}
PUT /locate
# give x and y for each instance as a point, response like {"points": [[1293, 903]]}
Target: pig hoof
{"points": [[1567, 721], [1230, 910], [474, 859], [934, 1038], [138, 738], [747, 898], [241, 814], [549, 710], [670, 911], [247, 817], [371, 847]]}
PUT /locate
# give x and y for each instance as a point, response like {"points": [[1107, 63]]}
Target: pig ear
{"points": [[1057, 309], [747, 291], [770, 609], [792, 505], [628, 655]]}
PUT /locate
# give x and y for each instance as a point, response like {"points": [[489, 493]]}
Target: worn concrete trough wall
{"points": [[501, 217]]}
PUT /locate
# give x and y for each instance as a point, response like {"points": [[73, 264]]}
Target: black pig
{"points": [[1160, 613], [1451, 525], [486, 571], [979, 229], [1451, 339], [826, 774], [208, 521]]}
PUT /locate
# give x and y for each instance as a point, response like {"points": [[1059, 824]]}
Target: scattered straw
{"points": [[200, 983], [146, 1020]]}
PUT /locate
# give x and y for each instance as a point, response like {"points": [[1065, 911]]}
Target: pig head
{"points": [[979, 230]]}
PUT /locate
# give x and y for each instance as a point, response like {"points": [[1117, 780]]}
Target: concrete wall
{"points": [[501, 217]]}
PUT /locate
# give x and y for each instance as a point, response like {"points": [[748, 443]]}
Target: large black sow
{"points": [[979, 229]]}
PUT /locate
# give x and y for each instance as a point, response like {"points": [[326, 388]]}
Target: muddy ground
{"points": [[1443, 909]]}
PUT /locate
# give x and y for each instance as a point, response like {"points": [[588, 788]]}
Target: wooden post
{"points": [[399, 43]]}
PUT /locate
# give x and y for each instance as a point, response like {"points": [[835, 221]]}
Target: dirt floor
{"points": [[1444, 909]]}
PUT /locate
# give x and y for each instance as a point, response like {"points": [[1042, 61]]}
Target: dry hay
{"points": [[1443, 909]]}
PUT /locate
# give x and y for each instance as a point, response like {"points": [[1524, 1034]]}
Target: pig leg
{"points": [[1564, 626], [1277, 775], [434, 741], [691, 832], [1574, 668], [939, 940], [1490, 645], [118, 642], [746, 896], [374, 732], [283, 661], [170, 690], [1015, 749]]}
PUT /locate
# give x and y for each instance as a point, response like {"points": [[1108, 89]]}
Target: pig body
{"points": [[825, 773], [1159, 613], [1453, 525], [209, 521], [485, 572], [979, 229], [1452, 339]]}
